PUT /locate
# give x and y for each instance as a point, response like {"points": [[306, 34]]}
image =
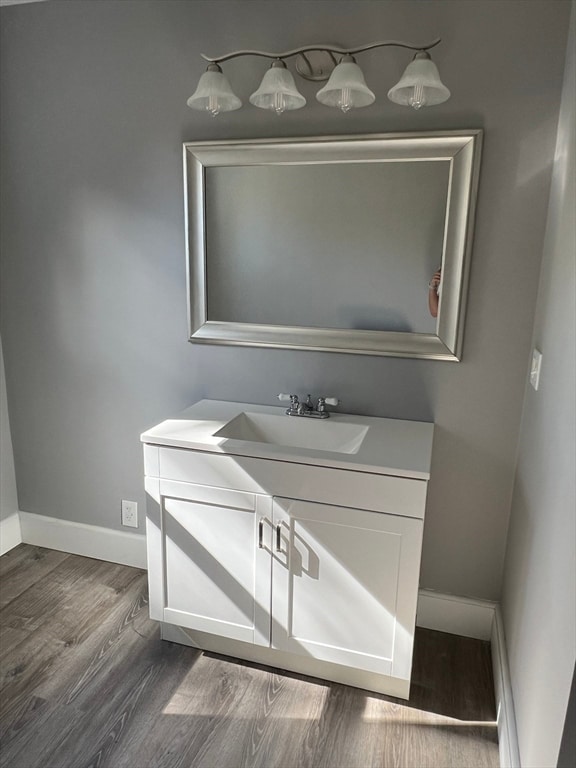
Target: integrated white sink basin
{"points": [[295, 432], [344, 441]]}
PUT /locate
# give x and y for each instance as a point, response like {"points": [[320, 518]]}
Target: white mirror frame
{"points": [[461, 148]]}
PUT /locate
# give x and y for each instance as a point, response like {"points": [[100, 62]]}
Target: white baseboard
{"points": [[81, 539], [10, 533], [507, 734], [455, 615]]}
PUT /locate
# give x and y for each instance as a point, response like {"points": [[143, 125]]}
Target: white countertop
{"points": [[390, 447]]}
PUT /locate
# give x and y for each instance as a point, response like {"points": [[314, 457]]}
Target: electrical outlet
{"points": [[130, 513], [535, 368]]}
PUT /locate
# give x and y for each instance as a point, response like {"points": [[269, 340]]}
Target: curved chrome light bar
{"points": [[346, 88], [319, 47]]}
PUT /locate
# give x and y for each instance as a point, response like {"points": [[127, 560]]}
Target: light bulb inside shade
{"points": [[279, 103], [417, 100], [345, 100], [213, 106]]}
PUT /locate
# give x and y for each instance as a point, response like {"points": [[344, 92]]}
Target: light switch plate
{"points": [[535, 368]]}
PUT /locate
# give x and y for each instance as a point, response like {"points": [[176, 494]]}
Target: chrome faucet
{"points": [[307, 408]]}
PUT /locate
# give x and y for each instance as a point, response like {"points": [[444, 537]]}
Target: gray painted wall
{"points": [[539, 600], [93, 281]]}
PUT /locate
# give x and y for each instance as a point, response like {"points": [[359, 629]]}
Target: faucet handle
{"points": [[324, 401], [294, 402]]}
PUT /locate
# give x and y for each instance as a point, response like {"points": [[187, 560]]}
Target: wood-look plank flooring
{"points": [[86, 682]]}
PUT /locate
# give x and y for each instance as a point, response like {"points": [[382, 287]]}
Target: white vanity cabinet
{"points": [[312, 568]]}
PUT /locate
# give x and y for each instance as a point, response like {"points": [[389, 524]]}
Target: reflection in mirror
{"points": [[331, 243], [325, 246]]}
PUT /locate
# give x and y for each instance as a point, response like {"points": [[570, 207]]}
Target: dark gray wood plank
{"points": [[34, 737], [76, 608], [107, 636], [47, 600], [452, 675], [10, 638], [264, 727], [99, 732], [23, 567], [287, 713], [82, 670], [185, 720], [344, 737]]}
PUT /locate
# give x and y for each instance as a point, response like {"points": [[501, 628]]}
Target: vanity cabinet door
{"points": [[345, 584], [216, 562]]}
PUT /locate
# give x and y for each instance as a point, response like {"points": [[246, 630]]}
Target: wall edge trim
{"points": [[506, 718], [10, 533], [456, 615]]}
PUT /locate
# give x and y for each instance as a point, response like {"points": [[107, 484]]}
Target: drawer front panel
{"points": [[380, 493]]}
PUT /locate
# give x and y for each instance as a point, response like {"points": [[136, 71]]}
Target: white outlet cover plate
{"points": [[130, 513]]}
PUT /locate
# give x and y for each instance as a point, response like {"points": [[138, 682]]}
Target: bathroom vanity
{"points": [[290, 542]]}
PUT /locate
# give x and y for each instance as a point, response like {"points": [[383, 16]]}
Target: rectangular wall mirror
{"points": [[329, 243]]}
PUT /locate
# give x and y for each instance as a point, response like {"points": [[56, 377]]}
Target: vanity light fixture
{"points": [[278, 90], [419, 86]]}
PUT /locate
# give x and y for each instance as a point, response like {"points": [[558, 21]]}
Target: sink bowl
{"points": [[295, 432]]}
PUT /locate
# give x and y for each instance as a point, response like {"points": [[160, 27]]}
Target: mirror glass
{"points": [[331, 243]]}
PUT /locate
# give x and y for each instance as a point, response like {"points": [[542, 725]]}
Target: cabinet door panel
{"points": [[217, 578], [345, 585]]}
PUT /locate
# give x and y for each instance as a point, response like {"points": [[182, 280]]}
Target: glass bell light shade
{"points": [[420, 85], [277, 90], [214, 94], [346, 87]]}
